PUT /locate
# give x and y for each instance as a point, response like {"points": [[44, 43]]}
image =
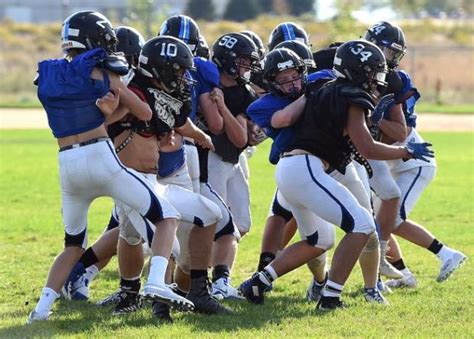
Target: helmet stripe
{"points": [[181, 29], [286, 32], [291, 32], [186, 29], [66, 31]]}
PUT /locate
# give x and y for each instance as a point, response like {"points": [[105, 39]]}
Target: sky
{"points": [[325, 10]]}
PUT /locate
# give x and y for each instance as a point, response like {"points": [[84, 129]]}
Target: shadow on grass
{"points": [[80, 317]]}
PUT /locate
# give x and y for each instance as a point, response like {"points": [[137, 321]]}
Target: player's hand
{"points": [[256, 135], [379, 111], [420, 150], [109, 102], [205, 142], [217, 96]]}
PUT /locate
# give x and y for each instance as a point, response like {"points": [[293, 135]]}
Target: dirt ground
{"points": [[11, 118]]}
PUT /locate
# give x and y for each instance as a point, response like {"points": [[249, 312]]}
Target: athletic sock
{"points": [[157, 273], [89, 258], [399, 264], [435, 246], [130, 284], [265, 259], [220, 271], [269, 274], [332, 289], [48, 296]]}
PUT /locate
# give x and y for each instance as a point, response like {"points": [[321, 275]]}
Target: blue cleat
{"points": [[254, 288], [68, 289]]}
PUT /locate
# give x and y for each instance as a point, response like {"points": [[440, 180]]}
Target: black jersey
{"points": [[237, 99], [321, 128]]}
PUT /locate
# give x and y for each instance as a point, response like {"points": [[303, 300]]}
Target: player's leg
{"points": [[412, 183], [238, 199]]}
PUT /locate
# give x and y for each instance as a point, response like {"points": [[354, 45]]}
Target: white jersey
{"points": [[399, 165]]}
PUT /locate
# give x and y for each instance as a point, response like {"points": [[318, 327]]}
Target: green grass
{"points": [[32, 235]]}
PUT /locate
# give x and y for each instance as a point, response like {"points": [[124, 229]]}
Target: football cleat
{"points": [[164, 293], [129, 302], [313, 293], [253, 289], [373, 295], [112, 299], [329, 303], [222, 289], [450, 265], [408, 281], [202, 300], [35, 317], [162, 311], [387, 270]]}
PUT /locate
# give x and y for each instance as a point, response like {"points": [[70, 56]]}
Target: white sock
{"points": [[91, 273], [271, 271], [444, 253], [48, 296], [158, 266], [332, 289], [383, 247]]}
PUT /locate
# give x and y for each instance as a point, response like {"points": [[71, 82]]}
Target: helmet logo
{"points": [[378, 28], [101, 23], [359, 50], [228, 41], [169, 50], [285, 65]]}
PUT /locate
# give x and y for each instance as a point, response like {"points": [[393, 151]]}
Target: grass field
{"points": [[31, 235]]}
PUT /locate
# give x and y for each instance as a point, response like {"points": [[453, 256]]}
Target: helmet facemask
{"points": [[376, 84], [393, 54], [287, 84], [175, 80], [249, 65]]}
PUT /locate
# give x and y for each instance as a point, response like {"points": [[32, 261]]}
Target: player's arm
{"points": [[290, 114], [365, 144], [137, 107], [395, 127], [214, 120], [235, 127], [190, 130]]}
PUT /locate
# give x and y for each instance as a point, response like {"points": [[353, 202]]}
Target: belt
{"points": [[84, 143], [327, 168]]}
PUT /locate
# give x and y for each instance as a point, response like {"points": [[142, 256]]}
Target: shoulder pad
{"points": [[357, 96], [116, 63]]}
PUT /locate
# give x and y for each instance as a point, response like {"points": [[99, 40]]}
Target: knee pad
{"points": [[323, 240], [215, 211], [372, 243], [129, 234], [79, 239]]}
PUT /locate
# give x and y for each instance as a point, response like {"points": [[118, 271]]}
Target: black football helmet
{"points": [[230, 47], [184, 28], [279, 60], [390, 39], [362, 63], [130, 43], [87, 30], [302, 50], [203, 48], [287, 31], [168, 60], [256, 39]]}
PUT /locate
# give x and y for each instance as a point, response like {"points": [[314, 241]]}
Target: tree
{"points": [[301, 7], [201, 9], [241, 10]]}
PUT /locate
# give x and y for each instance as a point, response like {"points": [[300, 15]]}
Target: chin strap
{"points": [[124, 144]]}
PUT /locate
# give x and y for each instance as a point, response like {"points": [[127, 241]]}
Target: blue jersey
{"points": [[409, 103], [207, 77], [68, 94], [262, 110]]}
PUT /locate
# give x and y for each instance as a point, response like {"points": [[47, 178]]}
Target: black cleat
{"points": [[162, 311], [129, 302], [329, 303], [200, 296], [253, 289]]}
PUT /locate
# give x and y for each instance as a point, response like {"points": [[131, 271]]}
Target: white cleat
{"points": [[387, 270], [35, 317], [408, 281], [163, 293], [450, 265], [222, 289]]}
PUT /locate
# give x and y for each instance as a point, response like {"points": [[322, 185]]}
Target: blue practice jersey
{"points": [[207, 77], [262, 110], [409, 103]]}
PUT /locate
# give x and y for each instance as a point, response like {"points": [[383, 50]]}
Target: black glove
{"points": [[420, 150]]}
